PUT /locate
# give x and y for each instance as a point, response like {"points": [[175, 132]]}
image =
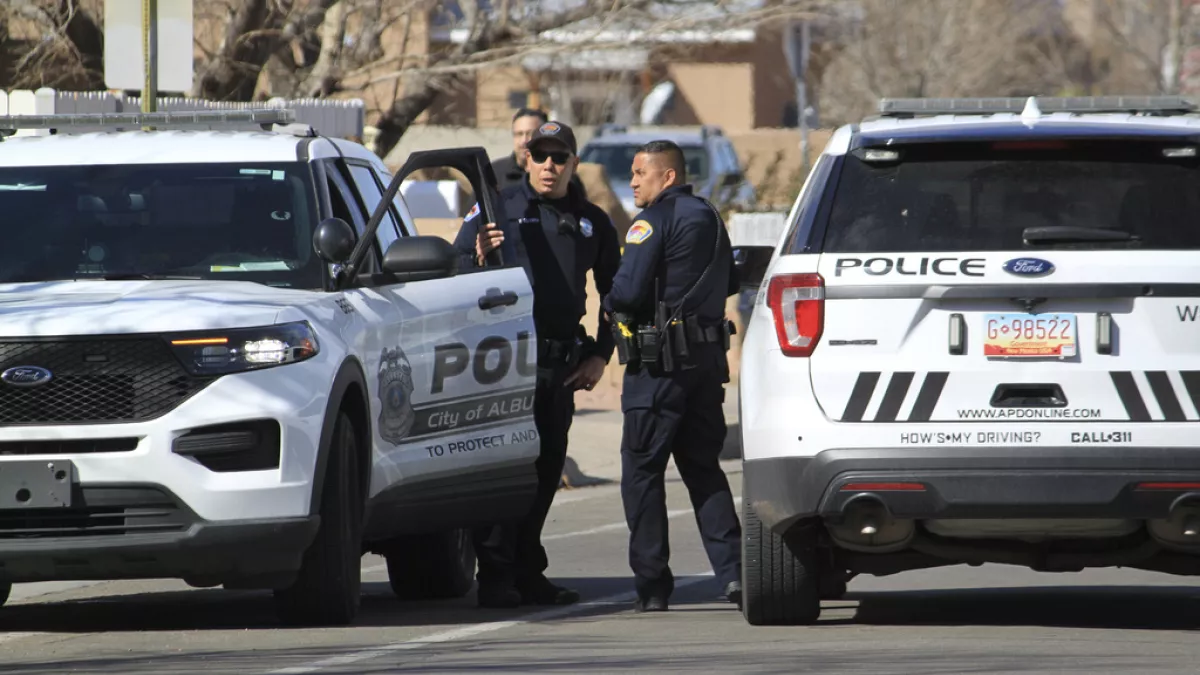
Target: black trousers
{"points": [[681, 415], [512, 553]]}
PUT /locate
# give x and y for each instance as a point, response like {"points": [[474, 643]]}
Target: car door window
{"points": [[404, 216], [346, 205], [372, 194]]}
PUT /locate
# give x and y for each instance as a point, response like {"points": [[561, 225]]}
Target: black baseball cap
{"points": [[553, 133]]}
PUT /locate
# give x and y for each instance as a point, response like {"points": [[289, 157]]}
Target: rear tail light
{"points": [[797, 302]]}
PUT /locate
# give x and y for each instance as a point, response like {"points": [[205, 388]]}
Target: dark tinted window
{"points": [[618, 160], [982, 196], [216, 221]]}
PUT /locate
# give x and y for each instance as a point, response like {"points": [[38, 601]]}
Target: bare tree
{"points": [[51, 43], [899, 48]]}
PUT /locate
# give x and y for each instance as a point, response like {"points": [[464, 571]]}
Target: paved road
{"points": [[955, 620]]}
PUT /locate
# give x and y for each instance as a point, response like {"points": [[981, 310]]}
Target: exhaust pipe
{"points": [[867, 525], [1180, 529]]}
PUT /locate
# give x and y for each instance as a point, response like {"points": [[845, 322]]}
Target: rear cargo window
{"points": [[983, 196]]}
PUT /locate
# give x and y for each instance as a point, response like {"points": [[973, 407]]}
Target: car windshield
{"points": [[249, 222], [617, 160], [1014, 195]]}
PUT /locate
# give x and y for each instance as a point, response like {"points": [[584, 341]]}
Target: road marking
{"points": [[471, 631]]}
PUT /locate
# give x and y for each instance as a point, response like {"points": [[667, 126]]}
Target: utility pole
{"points": [[150, 54], [1173, 55]]}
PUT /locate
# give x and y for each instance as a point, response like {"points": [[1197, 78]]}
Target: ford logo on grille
{"points": [[26, 376], [1029, 267]]}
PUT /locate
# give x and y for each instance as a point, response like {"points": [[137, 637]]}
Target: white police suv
{"points": [[978, 340], [227, 356]]}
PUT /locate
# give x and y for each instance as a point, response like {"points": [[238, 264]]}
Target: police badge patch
{"points": [[396, 415], [585, 226], [473, 212]]}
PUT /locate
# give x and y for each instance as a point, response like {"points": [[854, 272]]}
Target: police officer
{"points": [[557, 236], [668, 304], [510, 169]]}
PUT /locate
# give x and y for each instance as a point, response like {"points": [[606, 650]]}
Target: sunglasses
{"points": [[559, 157]]}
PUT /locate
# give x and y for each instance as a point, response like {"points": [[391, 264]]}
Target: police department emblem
{"points": [[473, 212], [550, 128], [585, 226], [396, 415]]}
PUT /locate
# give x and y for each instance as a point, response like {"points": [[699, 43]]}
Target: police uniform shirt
{"points": [[557, 242], [673, 239]]}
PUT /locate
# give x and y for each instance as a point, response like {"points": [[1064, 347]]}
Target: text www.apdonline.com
{"points": [[1029, 413]]}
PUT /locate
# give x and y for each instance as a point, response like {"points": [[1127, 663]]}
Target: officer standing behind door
{"points": [[558, 237], [677, 251]]}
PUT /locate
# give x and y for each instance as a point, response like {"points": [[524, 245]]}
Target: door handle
{"points": [[493, 300]]}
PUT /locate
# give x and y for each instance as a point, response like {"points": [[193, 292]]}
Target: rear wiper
{"points": [[123, 276], [1066, 233]]}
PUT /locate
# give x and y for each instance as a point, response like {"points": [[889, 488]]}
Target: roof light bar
{"points": [[264, 117], [1160, 105]]}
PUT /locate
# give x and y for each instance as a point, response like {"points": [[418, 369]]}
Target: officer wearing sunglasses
{"points": [[558, 236]]}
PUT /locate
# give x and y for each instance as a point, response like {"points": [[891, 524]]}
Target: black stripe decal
{"points": [[860, 396], [1164, 393], [1191, 381], [927, 398], [893, 397], [1131, 398]]}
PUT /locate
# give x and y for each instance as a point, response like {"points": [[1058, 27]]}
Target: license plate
{"points": [[1027, 335], [36, 484]]}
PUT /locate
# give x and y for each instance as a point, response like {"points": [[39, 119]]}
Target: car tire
{"points": [[328, 589], [5, 591], [433, 566], [780, 582]]}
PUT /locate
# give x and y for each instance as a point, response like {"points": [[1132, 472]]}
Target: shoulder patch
{"points": [[473, 212], [638, 232], [585, 227]]}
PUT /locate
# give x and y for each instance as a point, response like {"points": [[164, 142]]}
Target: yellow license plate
{"points": [[1017, 335]]}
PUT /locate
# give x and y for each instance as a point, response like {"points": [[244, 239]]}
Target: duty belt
{"points": [[557, 351], [699, 334]]}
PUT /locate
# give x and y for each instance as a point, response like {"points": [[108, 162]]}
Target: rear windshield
{"points": [[983, 196]]}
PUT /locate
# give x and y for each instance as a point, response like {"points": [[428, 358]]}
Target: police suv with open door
{"points": [[978, 340], [227, 356]]}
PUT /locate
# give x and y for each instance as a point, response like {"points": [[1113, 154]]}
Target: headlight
{"points": [[219, 352]]}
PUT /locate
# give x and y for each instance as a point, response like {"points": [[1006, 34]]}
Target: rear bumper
{"points": [[978, 483]]}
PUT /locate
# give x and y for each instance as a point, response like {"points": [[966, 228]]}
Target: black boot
{"points": [[733, 593], [540, 591], [498, 597]]}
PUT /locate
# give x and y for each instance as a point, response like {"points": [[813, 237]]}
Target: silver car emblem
{"points": [[26, 376]]}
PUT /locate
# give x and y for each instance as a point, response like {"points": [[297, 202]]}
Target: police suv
{"points": [[227, 356], [977, 341]]}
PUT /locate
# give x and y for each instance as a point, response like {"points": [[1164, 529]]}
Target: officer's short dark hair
{"points": [[669, 151], [531, 112]]}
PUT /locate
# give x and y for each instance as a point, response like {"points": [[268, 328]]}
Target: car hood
{"points": [[108, 307]]}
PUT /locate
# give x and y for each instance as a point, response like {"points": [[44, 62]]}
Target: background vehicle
{"points": [[712, 163], [227, 356], [977, 341]]}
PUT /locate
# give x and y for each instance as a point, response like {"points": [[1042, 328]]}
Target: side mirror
{"points": [[751, 263], [420, 258], [334, 240]]}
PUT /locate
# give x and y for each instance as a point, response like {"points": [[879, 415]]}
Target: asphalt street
{"points": [[991, 619]]}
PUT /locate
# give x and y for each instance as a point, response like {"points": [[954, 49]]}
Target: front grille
{"points": [[68, 447], [94, 380], [98, 511]]}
